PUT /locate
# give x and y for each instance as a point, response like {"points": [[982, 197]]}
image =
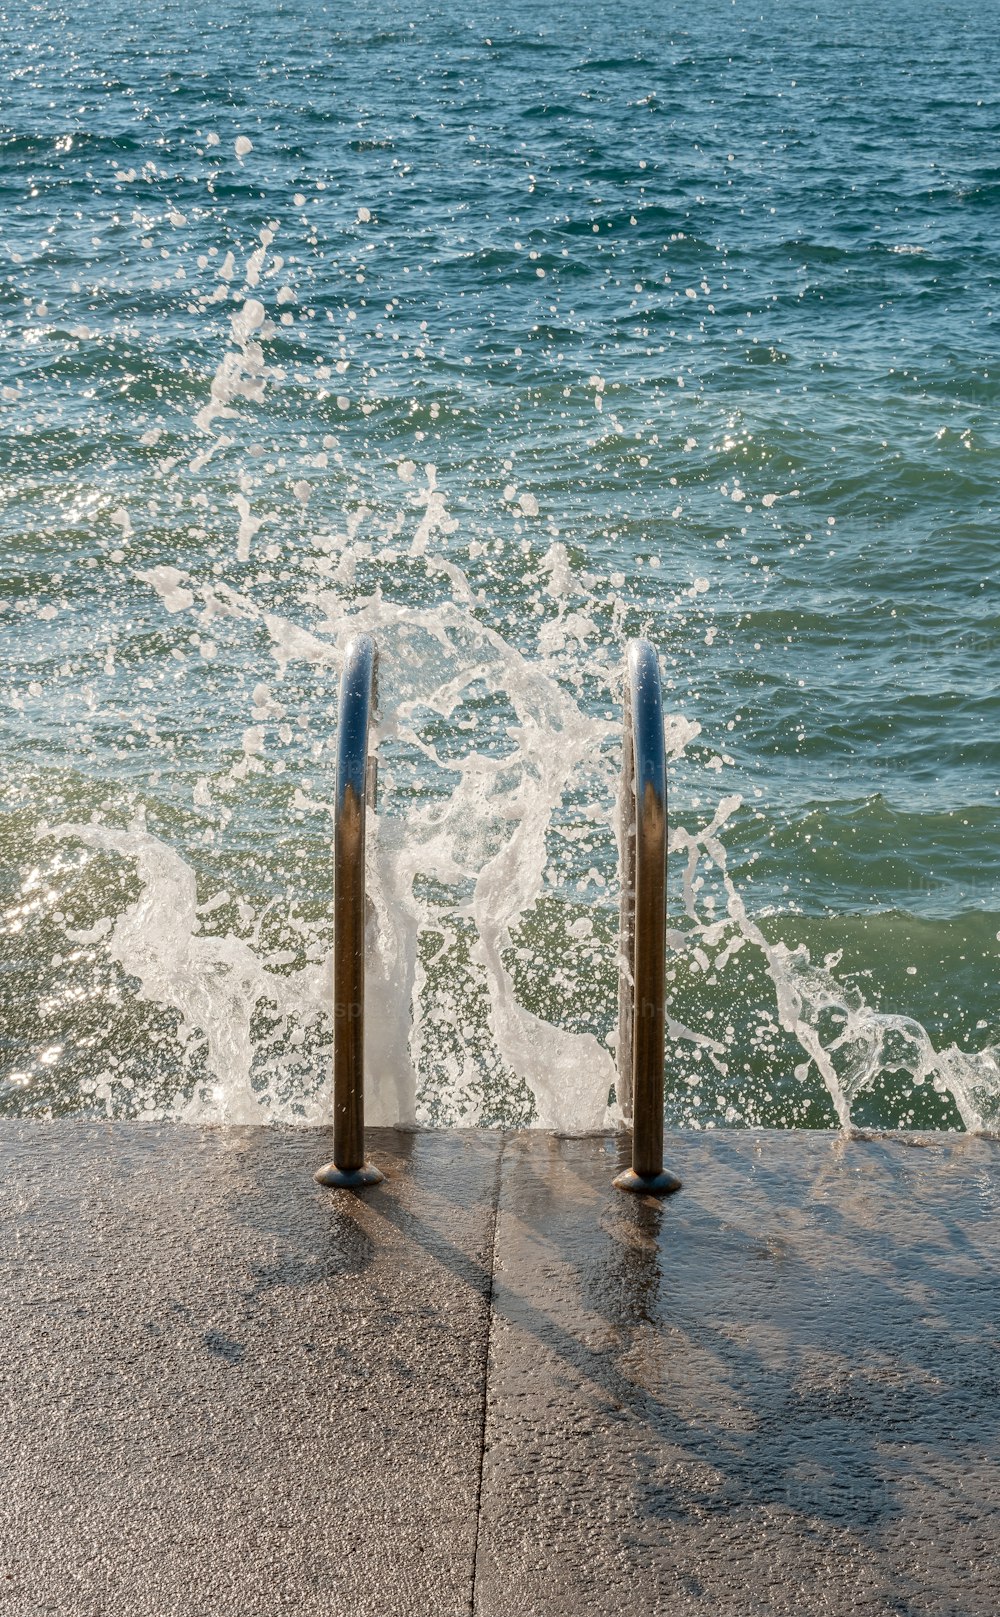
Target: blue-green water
{"points": [[508, 336]]}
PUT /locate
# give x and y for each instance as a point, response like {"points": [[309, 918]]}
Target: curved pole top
{"points": [[648, 750], [357, 699]]}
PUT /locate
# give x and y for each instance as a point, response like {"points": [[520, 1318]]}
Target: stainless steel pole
{"points": [[643, 924], [357, 700]]}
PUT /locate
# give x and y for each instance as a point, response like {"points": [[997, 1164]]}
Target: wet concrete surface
{"points": [[495, 1384], [225, 1390], [778, 1392]]}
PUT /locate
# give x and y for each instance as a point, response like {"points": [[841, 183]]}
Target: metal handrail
{"points": [[355, 784], [643, 923]]}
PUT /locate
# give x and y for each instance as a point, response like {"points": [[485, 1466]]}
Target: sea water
{"points": [[505, 335]]}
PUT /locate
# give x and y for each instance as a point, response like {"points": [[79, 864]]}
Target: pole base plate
{"points": [[348, 1178], [653, 1184]]}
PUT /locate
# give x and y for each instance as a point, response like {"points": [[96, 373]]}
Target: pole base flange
{"points": [[348, 1178], [654, 1184]]}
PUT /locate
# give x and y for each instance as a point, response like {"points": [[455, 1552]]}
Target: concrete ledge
{"points": [[779, 1392], [495, 1383], [225, 1390]]}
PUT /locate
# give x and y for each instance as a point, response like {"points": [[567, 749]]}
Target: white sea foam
{"points": [[487, 838], [461, 872]]}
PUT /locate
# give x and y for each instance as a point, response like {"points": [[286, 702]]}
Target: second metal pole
{"points": [[357, 699], [643, 935]]}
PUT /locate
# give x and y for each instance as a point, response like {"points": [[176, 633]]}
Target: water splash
{"points": [[281, 492], [215, 983], [481, 841], [486, 839], [847, 1042]]}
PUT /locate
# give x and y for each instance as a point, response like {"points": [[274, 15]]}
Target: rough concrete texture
{"points": [[775, 1393], [224, 1390]]}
